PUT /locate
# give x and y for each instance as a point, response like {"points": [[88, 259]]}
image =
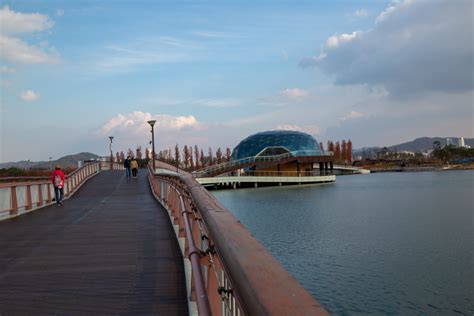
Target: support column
{"points": [[298, 168]]}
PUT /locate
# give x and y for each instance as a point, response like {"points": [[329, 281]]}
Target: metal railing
{"points": [[233, 164], [239, 162], [25, 195], [232, 274], [259, 173]]}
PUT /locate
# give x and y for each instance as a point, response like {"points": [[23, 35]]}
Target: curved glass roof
{"points": [[298, 143]]}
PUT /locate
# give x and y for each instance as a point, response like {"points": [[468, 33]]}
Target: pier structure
{"points": [[159, 244]]}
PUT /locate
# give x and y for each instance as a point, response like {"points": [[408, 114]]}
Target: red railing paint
{"points": [[239, 276]]}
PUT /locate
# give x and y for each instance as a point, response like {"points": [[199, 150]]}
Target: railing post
{"points": [[14, 201], [40, 195], [50, 199], [29, 204]]}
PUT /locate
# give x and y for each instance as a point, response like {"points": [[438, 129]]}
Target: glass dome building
{"points": [[271, 143]]}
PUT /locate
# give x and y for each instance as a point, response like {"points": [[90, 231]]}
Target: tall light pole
{"points": [[152, 123], [111, 154]]}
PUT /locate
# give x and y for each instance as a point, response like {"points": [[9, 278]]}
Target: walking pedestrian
{"points": [[126, 164], [58, 182], [134, 165]]}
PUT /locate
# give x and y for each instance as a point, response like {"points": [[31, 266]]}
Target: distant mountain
{"points": [[66, 161], [422, 144]]}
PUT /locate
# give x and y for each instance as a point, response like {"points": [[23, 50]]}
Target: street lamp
{"points": [[152, 123], [111, 154]]}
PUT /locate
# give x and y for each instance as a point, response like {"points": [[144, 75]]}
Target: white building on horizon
{"points": [[456, 142]]}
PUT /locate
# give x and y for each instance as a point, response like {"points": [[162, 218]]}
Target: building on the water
{"points": [[299, 153], [272, 158]]}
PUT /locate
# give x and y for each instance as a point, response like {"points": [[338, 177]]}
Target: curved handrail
{"points": [[23, 196], [253, 280]]}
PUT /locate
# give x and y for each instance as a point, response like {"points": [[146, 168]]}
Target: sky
{"points": [[211, 73]]}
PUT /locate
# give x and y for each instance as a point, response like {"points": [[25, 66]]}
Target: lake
{"points": [[384, 243]]}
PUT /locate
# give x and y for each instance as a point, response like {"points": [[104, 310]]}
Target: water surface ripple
{"points": [[393, 243]]}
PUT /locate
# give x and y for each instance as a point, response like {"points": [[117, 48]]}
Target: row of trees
{"points": [[451, 153], [193, 158], [342, 150], [188, 158]]}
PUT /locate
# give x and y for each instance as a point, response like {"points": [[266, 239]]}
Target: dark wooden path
{"points": [[110, 250]]}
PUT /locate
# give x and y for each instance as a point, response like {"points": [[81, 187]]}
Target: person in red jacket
{"points": [[58, 182]]}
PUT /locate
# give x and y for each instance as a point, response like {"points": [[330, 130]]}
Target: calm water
{"points": [[392, 243]]}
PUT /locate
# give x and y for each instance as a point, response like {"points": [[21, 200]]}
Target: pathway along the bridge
{"points": [[109, 250]]}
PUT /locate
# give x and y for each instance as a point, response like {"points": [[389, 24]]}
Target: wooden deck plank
{"points": [[109, 250]]}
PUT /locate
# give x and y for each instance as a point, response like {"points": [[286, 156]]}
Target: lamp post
{"points": [[152, 123], [111, 154]]}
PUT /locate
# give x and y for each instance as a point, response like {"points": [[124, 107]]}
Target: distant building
{"points": [[300, 152], [456, 142]]}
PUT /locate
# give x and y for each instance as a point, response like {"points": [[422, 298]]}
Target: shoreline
{"points": [[420, 169]]}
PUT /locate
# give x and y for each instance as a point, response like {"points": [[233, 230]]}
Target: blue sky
{"points": [[211, 73]]}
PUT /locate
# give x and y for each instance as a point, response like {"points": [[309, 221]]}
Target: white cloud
{"points": [[336, 40], [16, 50], [149, 51], [361, 13], [295, 93], [29, 96], [12, 22], [352, 115], [135, 123], [6, 69], [416, 46], [309, 129]]}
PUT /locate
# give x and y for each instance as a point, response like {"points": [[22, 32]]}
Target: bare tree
{"points": [[349, 151], [210, 157], [202, 159], [176, 155], [343, 151], [219, 155], [139, 152], [337, 152], [191, 159], [196, 156], [228, 153], [330, 146], [186, 156]]}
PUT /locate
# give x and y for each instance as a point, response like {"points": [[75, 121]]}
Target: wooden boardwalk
{"points": [[110, 250]]}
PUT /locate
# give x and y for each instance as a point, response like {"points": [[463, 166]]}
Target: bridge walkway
{"points": [[109, 250]]}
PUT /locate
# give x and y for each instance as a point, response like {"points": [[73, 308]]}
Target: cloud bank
{"points": [[415, 47], [16, 50]]}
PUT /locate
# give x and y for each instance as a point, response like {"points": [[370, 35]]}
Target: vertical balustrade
{"points": [[40, 195], [26, 196], [14, 201], [29, 204]]}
